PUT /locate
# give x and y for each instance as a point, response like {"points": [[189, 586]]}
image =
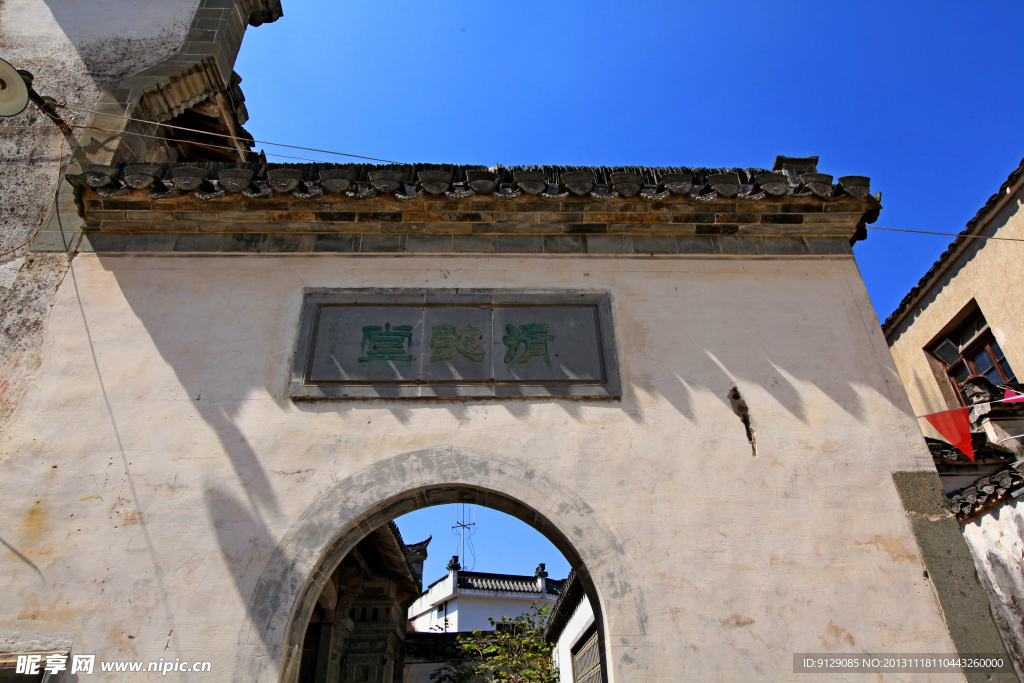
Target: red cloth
{"points": [[1012, 396], [955, 426]]}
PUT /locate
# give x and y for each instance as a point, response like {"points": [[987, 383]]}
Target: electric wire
{"points": [[222, 135], [201, 144], [947, 234]]}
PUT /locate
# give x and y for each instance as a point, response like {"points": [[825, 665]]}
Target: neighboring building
{"points": [[221, 377], [573, 629], [958, 339], [463, 601]]}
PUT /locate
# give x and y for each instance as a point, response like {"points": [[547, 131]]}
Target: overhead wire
{"points": [[201, 144], [947, 234], [222, 135]]}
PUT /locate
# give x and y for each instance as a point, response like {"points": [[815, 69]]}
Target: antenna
{"points": [[463, 523]]}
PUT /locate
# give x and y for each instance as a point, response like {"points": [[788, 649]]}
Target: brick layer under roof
{"points": [[665, 202]]}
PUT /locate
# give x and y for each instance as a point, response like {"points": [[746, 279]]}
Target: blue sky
{"points": [[923, 97]]}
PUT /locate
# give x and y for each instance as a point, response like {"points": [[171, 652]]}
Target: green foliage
{"points": [[514, 652]]}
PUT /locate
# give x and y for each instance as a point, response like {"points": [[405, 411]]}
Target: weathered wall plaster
{"points": [[73, 52], [156, 472], [996, 541]]}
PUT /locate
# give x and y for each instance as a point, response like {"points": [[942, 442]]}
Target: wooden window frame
{"points": [[982, 342], [580, 644]]}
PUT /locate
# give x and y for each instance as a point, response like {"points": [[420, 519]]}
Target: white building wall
{"points": [[579, 622], [467, 609], [475, 609], [156, 461], [996, 540]]}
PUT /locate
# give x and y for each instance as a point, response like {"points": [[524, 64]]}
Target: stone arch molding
{"points": [[270, 640]]}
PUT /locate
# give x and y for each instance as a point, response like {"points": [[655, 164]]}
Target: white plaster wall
{"points": [[989, 274], [473, 610], [996, 540], [421, 617], [156, 461], [579, 622]]}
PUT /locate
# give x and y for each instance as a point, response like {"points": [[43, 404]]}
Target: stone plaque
{"points": [[410, 343]]}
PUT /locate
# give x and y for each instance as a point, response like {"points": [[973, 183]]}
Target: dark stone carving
{"points": [[405, 196], [578, 182], [553, 194], [435, 182], [459, 192], [218, 193], [110, 192], [260, 192], [362, 191], [169, 193], [337, 181], [775, 184], [986, 493], [104, 180], [626, 184], [506, 192], [651, 194], [856, 185], [140, 177], [312, 190], [385, 180], [603, 193], [725, 184], [540, 572], [284, 179], [818, 183], [482, 181], [188, 178], [677, 183], [98, 175], [531, 182], [979, 389], [453, 564], [235, 179]]}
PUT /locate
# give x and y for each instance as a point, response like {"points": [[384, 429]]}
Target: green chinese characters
{"points": [[533, 338], [447, 342], [386, 343]]}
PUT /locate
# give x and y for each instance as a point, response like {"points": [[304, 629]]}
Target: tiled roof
{"points": [[506, 582], [955, 248], [570, 596], [985, 493], [258, 180]]}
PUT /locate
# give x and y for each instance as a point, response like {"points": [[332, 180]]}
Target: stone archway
{"points": [[270, 641]]}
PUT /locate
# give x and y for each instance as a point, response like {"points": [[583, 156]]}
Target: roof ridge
{"points": [[923, 285]]}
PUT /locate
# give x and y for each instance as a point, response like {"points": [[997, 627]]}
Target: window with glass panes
{"points": [[972, 351]]}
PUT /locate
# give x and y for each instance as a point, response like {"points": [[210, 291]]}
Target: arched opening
{"points": [[381, 574], [338, 520], [466, 569]]}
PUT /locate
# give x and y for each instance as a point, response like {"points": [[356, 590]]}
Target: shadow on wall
{"points": [[223, 355]]}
